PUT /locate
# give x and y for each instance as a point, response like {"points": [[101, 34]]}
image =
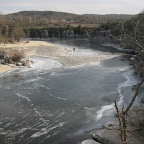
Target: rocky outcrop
{"points": [[106, 136], [6, 60], [109, 134], [2, 55], [89, 142], [138, 63]]}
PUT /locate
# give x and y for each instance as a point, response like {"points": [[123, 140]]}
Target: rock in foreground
{"points": [[89, 142], [106, 136]]}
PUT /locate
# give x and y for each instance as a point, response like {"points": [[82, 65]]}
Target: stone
{"points": [[143, 101], [2, 62], [11, 65], [6, 60], [136, 52], [89, 141], [132, 59], [142, 51], [1, 55], [106, 136], [23, 61], [134, 56], [28, 63], [19, 64], [100, 139], [111, 125], [10, 61], [32, 62]]}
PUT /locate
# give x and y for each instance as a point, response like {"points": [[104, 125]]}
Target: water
{"points": [[50, 104], [88, 47]]}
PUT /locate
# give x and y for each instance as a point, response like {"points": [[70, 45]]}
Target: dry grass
{"points": [[16, 55], [135, 123], [136, 119]]}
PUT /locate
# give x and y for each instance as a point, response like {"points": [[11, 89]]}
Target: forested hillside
{"points": [[61, 17]]}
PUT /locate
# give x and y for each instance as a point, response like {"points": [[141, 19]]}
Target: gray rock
{"points": [[132, 59], [23, 61], [134, 56], [32, 62], [6, 60], [19, 64], [28, 63], [1, 55], [111, 125], [2, 62], [10, 61], [11, 65], [101, 139], [142, 51], [89, 141], [106, 136]]}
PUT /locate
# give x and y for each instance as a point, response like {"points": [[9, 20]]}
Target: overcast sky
{"points": [[74, 6]]}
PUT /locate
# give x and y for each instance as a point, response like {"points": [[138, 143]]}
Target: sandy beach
{"points": [[52, 51], [4, 68]]}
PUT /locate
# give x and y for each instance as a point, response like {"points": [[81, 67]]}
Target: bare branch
{"points": [[136, 94], [120, 119]]}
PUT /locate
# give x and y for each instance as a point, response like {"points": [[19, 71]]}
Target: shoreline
{"points": [[110, 128], [37, 51], [52, 51], [4, 68]]}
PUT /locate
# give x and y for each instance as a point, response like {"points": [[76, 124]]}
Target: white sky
{"points": [[75, 6]]}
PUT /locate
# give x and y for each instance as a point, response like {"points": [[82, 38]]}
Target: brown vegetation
{"points": [[3, 39], [18, 33], [16, 55], [123, 115]]}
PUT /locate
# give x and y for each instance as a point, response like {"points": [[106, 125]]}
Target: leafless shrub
{"points": [[123, 116], [3, 39], [16, 55], [18, 33]]}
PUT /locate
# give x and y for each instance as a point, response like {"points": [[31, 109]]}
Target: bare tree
{"points": [[132, 31], [3, 39], [122, 115], [129, 33], [18, 33], [2, 20]]}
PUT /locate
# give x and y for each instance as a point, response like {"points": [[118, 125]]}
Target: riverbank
{"points": [[71, 90], [48, 50], [138, 63], [4, 68]]}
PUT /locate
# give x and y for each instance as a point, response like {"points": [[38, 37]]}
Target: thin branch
{"points": [[128, 37], [120, 119], [136, 94]]}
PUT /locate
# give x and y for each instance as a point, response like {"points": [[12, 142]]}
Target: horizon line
{"points": [[7, 13]]}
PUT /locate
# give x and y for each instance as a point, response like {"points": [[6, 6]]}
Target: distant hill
{"points": [[44, 14], [120, 16], [117, 16], [53, 15]]}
